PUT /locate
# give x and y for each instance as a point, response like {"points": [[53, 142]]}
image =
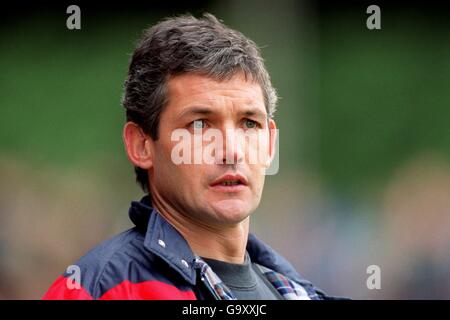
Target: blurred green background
{"points": [[364, 142]]}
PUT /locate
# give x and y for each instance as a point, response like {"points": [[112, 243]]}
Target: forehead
{"points": [[186, 89]]}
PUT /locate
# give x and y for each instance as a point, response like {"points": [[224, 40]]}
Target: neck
{"points": [[220, 242]]}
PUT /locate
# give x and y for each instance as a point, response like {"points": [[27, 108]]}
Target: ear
{"points": [[138, 145], [273, 132]]}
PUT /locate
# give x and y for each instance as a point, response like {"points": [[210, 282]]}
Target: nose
{"points": [[233, 147]]}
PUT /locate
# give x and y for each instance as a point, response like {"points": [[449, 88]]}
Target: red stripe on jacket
{"points": [[147, 290], [60, 291]]}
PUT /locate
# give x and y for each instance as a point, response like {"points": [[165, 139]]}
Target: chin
{"points": [[232, 210]]}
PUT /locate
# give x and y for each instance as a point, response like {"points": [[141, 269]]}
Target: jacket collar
{"points": [[163, 240]]}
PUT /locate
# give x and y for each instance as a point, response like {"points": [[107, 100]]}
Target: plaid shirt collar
{"points": [[287, 288]]}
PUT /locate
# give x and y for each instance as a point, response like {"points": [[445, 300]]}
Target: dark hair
{"points": [[185, 44]]}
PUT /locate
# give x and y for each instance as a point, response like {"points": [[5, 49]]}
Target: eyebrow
{"points": [[254, 112], [197, 110]]}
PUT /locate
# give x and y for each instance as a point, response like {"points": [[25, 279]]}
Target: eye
{"points": [[198, 124], [250, 124]]}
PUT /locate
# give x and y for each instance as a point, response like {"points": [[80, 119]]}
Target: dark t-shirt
{"points": [[244, 280]]}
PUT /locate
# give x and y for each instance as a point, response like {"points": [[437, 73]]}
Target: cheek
{"points": [[257, 149], [184, 172], [165, 172], [259, 180]]}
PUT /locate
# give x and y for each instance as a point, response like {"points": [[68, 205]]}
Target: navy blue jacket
{"points": [[153, 261]]}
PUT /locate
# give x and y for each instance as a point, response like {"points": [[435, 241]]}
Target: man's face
{"points": [[202, 191]]}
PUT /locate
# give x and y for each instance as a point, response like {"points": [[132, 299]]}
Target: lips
{"points": [[234, 182], [230, 181]]}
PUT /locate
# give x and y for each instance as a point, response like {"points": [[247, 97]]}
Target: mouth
{"points": [[230, 182]]}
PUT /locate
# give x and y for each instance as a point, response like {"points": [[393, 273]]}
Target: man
{"points": [[191, 239]]}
